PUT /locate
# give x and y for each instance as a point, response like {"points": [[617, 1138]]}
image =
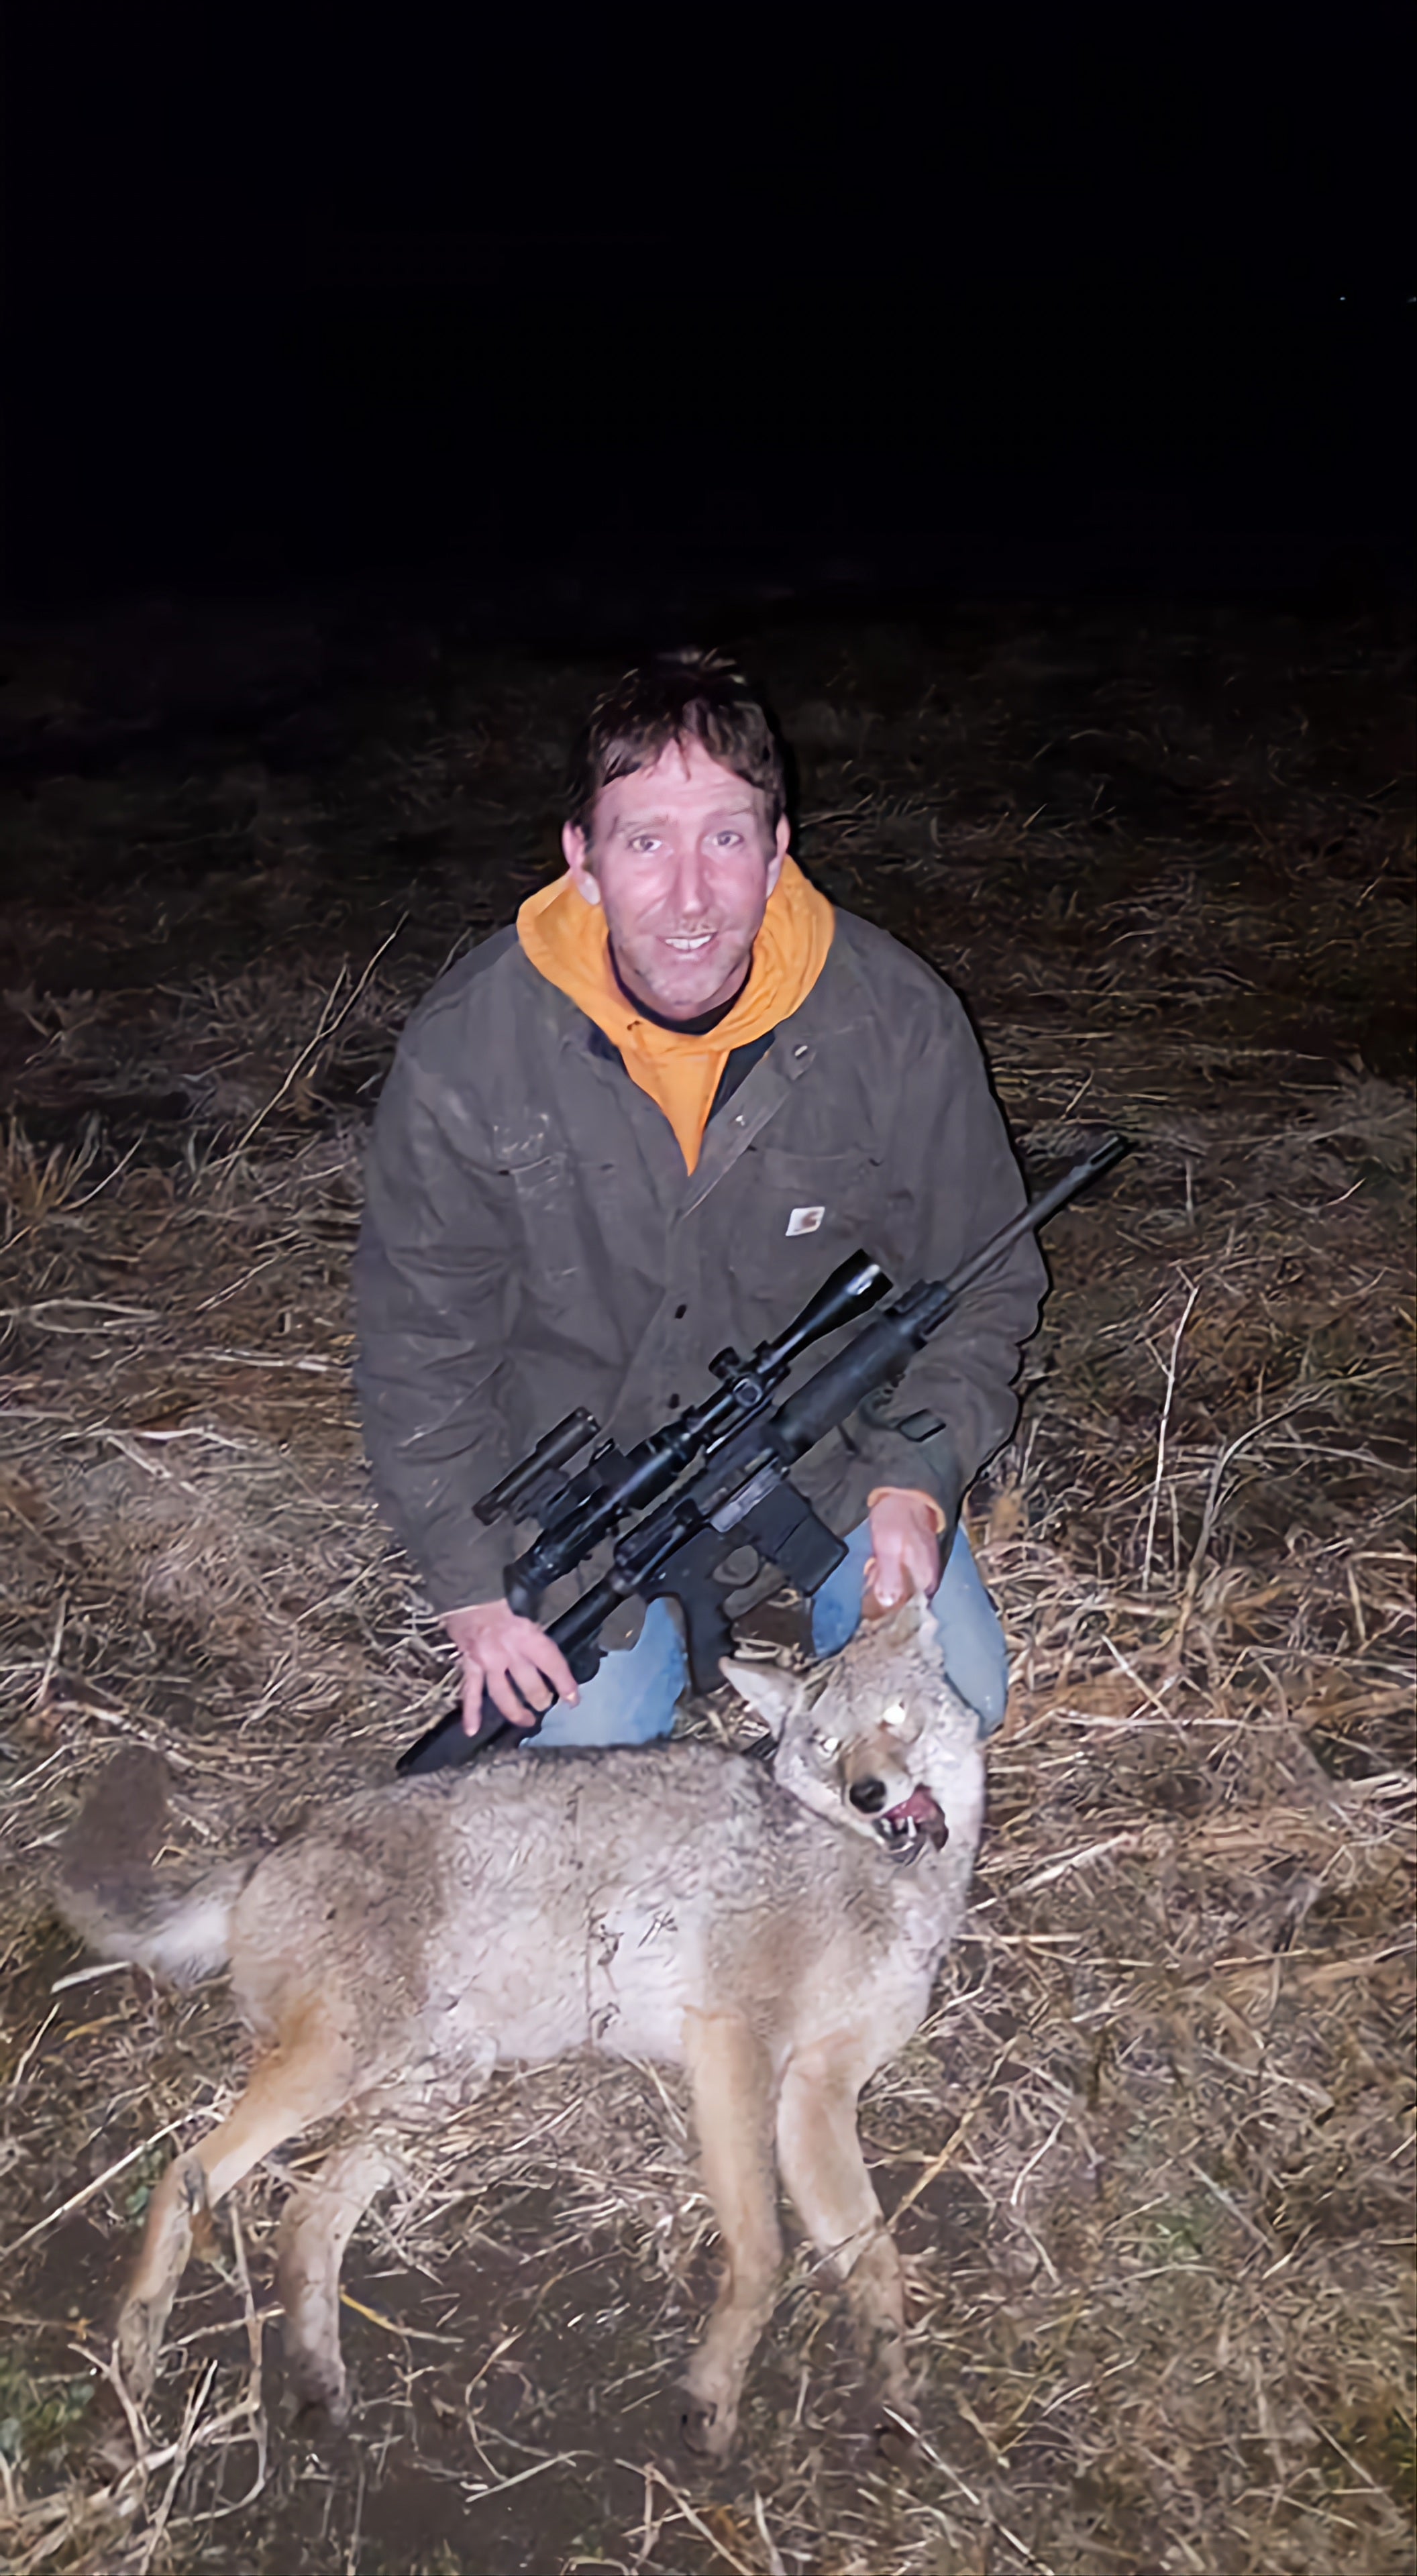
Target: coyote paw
{"points": [[708, 2429], [140, 2331], [179, 2201], [319, 2387], [709, 2421]]}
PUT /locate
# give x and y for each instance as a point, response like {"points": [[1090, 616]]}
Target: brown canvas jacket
{"points": [[532, 1241]]}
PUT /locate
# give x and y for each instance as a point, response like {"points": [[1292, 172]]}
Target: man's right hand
{"points": [[498, 1650]]}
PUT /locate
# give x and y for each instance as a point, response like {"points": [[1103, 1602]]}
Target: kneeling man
{"points": [[646, 1122]]}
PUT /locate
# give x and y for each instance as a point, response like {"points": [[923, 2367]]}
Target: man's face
{"points": [[682, 859]]}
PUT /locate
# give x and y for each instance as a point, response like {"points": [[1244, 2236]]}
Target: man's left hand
{"points": [[905, 1547]]}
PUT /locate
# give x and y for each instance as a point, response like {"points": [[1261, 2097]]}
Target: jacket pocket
{"points": [[548, 1212], [803, 1214]]}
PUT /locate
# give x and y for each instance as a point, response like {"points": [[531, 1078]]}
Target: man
{"points": [[647, 1122]]}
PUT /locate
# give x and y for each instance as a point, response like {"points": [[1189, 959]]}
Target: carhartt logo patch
{"points": [[805, 1220]]}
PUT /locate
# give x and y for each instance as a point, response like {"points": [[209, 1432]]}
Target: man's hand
{"points": [[905, 1546], [499, 1650]]}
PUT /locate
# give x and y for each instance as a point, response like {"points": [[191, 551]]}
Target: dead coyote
{"points": [[774, 1933]]}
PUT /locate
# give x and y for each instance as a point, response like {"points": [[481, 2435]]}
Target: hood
{"points": [[567, 940]]}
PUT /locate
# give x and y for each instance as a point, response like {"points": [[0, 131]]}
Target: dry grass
{"points": [[1149, 2162]]}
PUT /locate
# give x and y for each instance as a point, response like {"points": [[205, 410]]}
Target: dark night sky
{"points": [[1099, 308]]}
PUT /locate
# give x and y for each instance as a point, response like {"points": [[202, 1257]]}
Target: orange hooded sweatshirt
{"points": [[567, 941]]}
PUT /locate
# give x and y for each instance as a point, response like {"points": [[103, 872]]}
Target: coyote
{"points": [[774, 1932]]}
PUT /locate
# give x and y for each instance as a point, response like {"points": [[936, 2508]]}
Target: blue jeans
{"points": [[637, 1689]]}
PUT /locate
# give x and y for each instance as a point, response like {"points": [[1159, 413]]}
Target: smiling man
{"points": [[646, 1122], [682, 865]]}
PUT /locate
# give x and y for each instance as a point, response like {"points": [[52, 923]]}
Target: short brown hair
{"points": [[687, 696]]}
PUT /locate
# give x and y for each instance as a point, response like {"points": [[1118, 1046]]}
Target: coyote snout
{"points": [[674, 1903]]}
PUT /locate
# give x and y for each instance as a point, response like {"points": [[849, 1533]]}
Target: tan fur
{"points": [[675, 1903]]}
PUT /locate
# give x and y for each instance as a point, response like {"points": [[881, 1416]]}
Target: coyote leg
{"points": [[733, 2110], [318, 2222], [300, 2082], [824, 2170]]}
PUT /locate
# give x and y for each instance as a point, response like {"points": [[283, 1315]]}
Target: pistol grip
{"points": [[690, 1579]]}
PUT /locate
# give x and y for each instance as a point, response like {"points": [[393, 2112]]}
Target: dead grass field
{"points": [[1150, 2161]]}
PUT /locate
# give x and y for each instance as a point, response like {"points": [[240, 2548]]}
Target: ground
{"points": [[1149, 2161]]}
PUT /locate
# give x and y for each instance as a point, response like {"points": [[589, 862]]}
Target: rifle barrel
{"points": [[886, 1345]]}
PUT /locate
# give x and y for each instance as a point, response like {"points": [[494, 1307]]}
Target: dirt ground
{"points": [[1149, 2162]]}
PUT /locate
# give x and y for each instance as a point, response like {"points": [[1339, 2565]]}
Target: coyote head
{"points": [[876, 1739]]}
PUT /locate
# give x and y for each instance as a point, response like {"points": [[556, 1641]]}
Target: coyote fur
{"points": [[776, 1933]]}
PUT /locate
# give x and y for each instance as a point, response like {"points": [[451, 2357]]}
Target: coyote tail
{"points": [[107, 1890]]}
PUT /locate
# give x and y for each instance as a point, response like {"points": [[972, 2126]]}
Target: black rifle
{"points": [[742, 1495]]}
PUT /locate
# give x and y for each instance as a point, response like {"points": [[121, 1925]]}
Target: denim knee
{"points": [[633, 1696]]}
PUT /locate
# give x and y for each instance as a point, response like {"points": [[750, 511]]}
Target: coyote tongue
{"points": [[918, 1814]]}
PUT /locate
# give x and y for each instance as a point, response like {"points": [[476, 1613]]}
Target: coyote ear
{"points": [[771, 1694]]}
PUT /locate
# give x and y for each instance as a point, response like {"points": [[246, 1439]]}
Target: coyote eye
{"points": [[830, 1745]]}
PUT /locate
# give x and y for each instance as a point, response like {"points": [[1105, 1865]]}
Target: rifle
{"points": [[741, 1494]]}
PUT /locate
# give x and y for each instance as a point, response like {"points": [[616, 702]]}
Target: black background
{"points": [[1092, 304]]}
